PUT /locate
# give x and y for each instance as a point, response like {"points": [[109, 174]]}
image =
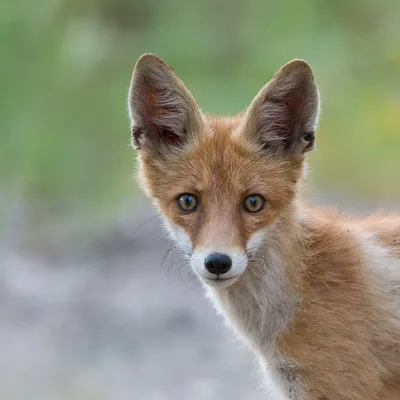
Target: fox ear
{"points": [[163, 111], [283, 116]]}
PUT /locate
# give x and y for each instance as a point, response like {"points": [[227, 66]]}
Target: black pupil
{"points": [[187, 200], [253, 201]]}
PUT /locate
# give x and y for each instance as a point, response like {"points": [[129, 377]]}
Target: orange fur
{"points": [[342, 335]]}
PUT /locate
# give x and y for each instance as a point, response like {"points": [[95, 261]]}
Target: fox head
{"points": [[223, 185]]}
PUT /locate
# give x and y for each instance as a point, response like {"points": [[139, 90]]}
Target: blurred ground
{"points": [[86, 309], [108, 321]]}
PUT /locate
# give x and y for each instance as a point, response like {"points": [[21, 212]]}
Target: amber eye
{"points": [[253, 203], [187, 202]]}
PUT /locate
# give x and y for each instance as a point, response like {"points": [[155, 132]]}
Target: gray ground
{"points": [[109, 322], [106, 320]]}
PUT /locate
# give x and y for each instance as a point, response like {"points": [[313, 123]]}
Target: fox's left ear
{"points": [[164, 114], [283, 116]]}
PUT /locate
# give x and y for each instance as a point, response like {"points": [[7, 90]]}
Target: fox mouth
{"points": [[219, 281]]}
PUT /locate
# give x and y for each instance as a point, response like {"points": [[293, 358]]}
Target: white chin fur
{"points": [[219, 283]]}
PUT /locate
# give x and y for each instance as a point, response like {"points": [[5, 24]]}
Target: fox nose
{"points": [[217, 263]]}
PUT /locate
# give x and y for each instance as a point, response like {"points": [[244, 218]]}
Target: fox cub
{"points": [[314, 294]]}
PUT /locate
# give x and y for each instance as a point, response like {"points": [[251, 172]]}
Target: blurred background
{"points": [[88, 307]]}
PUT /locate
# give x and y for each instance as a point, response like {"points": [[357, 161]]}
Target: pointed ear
{"points": [[163, 112], [283, 116]]}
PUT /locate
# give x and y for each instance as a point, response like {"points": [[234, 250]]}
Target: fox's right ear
{"points": [[163, 112]]}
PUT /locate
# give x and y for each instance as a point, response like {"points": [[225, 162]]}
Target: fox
{"points": [[313, 292]]}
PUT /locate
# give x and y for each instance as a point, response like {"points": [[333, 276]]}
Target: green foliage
{"points": [[66, 67]]}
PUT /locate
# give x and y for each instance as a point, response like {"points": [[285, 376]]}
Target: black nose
{"points": [[217, 263]]}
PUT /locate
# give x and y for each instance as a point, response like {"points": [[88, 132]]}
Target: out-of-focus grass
{"points": [[66, 65]]}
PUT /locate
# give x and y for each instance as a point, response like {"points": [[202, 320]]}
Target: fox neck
{"points": [[260, 305]]}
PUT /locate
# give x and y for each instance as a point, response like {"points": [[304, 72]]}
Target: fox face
{"points": [[223, 185]]}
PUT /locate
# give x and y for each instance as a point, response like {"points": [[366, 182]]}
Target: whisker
{"points": [[184, 264], [181, 252], [144, 223]]}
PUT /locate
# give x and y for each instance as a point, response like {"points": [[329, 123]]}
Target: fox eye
{"points": [[253, 203], [187, 202]]}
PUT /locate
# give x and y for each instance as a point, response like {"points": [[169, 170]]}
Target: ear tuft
{"points": [[163, 111], [283, 116]]}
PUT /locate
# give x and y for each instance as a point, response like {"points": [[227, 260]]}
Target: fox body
{"points": [[315, 294]]}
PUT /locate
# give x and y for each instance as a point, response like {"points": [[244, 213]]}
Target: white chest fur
{"points": [[258, 309]]}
